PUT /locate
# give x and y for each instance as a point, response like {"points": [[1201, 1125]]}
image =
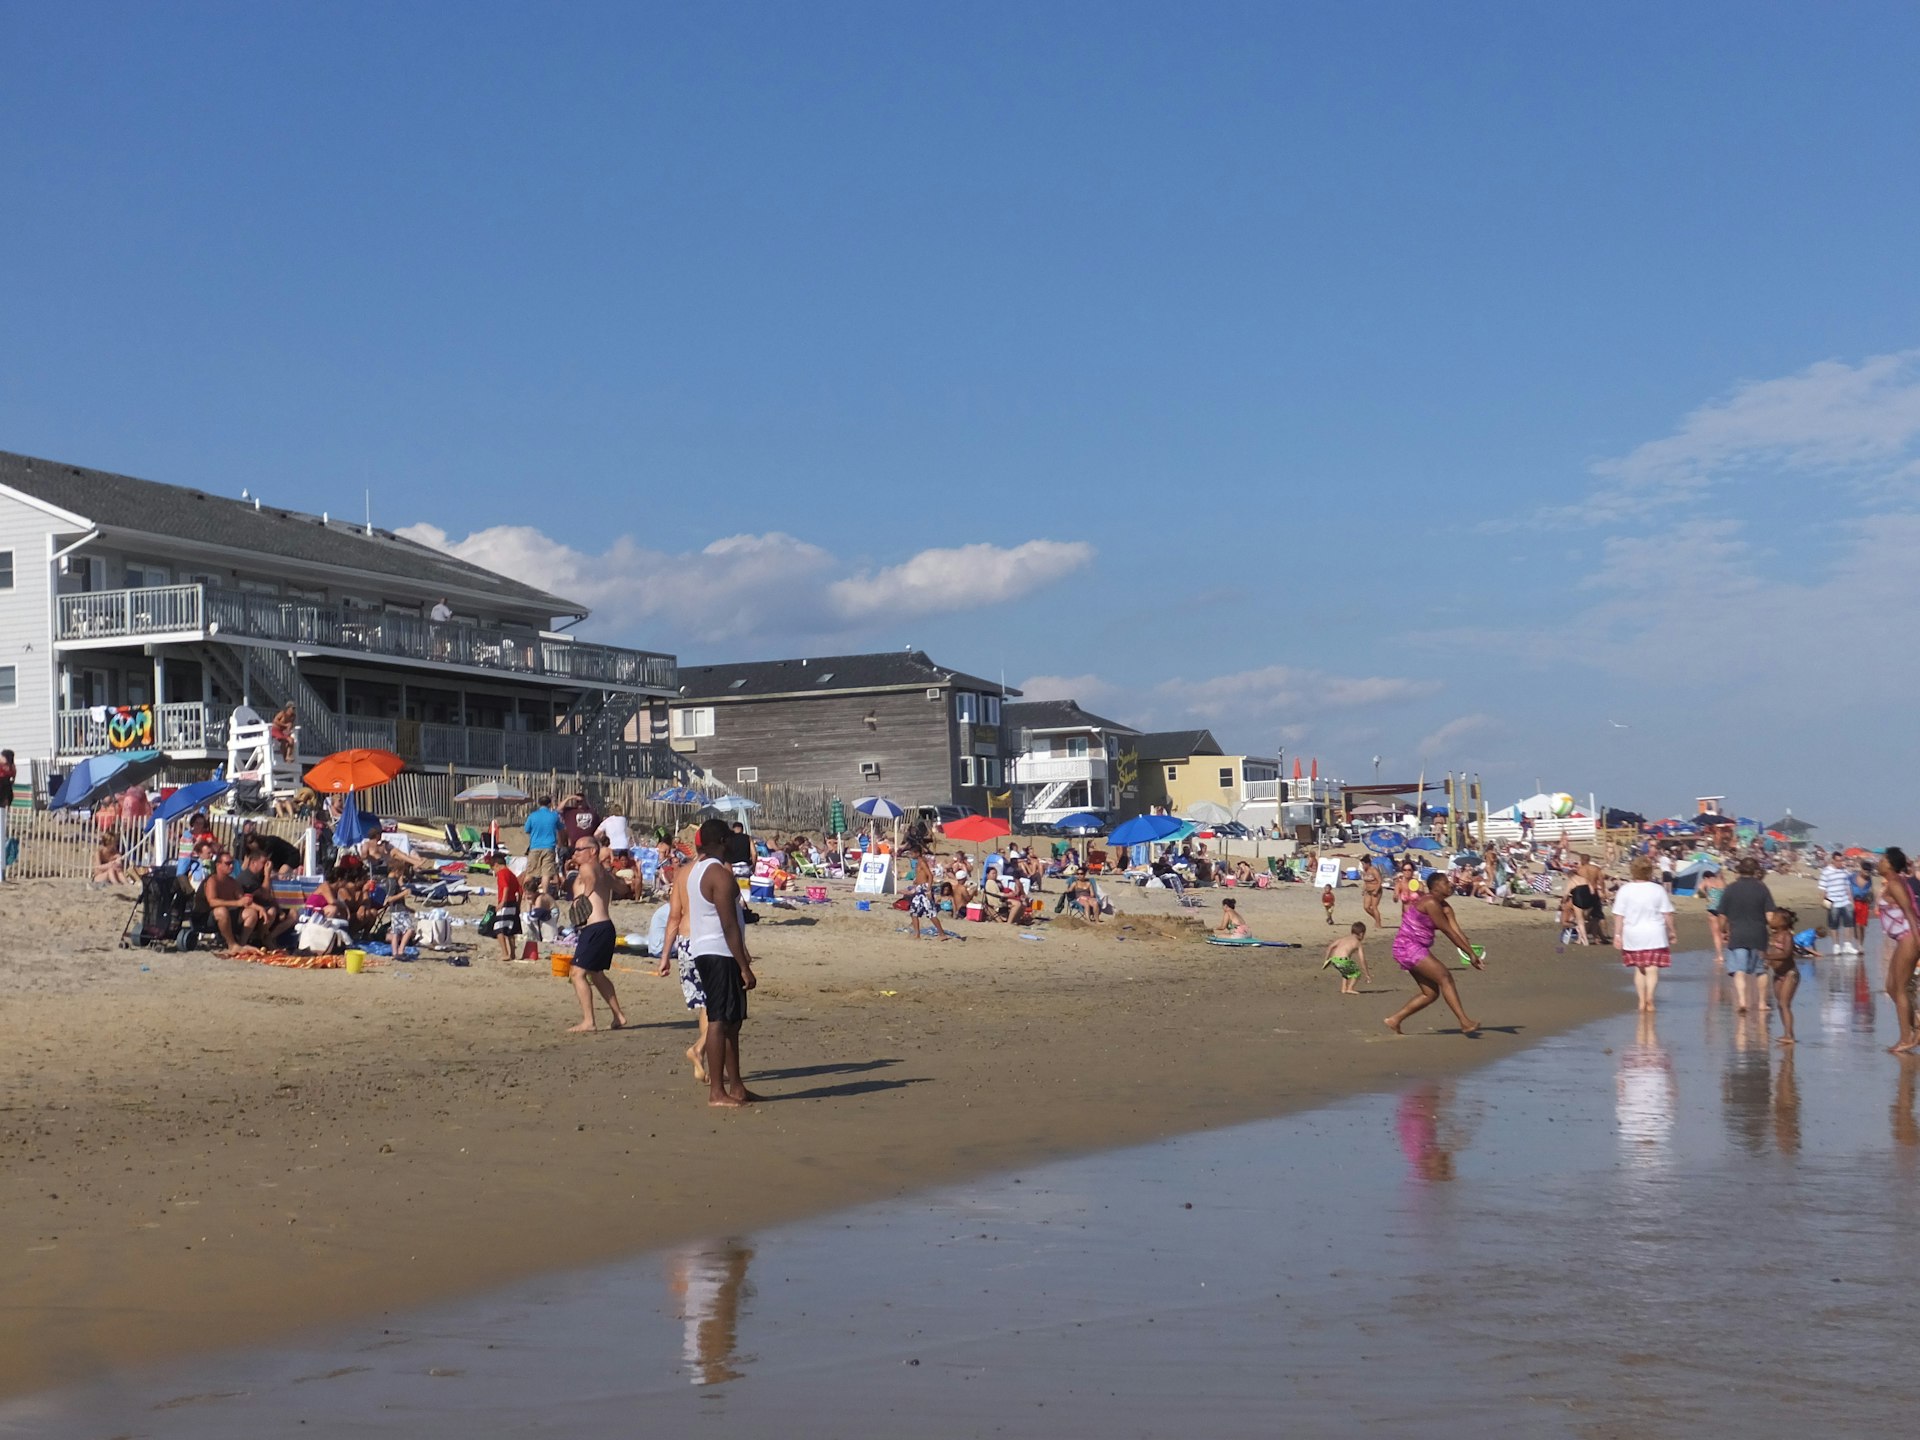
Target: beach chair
{"points": [[1096, 861]]}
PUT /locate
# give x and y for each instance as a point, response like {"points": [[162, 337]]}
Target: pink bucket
{"points": [[816, 894]]}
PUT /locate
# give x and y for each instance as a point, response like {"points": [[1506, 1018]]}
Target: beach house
{"points": [[137, 614], [1066, 760], [1179, 769], [893, 724]]}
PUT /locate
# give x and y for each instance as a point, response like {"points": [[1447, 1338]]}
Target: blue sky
{"points": [[1436, 382]]}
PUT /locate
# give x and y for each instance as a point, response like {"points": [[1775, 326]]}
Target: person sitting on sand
{"points": [[1083, 899], [1231, 926], [108, 868], [1347, 957], [235, 916], [1242, 875], [1428, 915]]}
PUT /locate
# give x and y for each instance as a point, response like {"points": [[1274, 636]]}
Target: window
{"points": [[143, 577], [967, 766], [6, 569], [1173, 772], [989, 769], [966, 707], [990, 709], [747, 775], [1077, 747], [8, 685], [1226, 777], [692, 724]]}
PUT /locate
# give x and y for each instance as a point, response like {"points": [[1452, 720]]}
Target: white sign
{"points": [[876, 876], [1326, 872]]}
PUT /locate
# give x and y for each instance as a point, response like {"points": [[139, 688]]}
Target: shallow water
{"points": [[1633, 1230]]}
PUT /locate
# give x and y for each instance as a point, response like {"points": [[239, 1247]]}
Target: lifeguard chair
{"points": [[253, 759]]}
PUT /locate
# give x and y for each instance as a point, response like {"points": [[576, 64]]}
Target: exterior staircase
{"points": [[268, 680]]}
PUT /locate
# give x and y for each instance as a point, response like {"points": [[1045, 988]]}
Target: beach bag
{"points": [[485, 924], [436, 930], [318, 937]]}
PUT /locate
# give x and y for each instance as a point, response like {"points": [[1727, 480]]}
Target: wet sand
{"points": [[202, 1153], [1647, 1229]]}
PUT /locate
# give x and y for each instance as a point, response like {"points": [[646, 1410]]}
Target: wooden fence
{"points": [[415, 796], [60, 844]]}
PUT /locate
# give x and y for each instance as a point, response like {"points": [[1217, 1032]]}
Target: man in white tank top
{"points": [[719, 946]]}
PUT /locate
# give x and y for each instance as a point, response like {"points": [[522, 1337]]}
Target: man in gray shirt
{"points": [[1744, 906]]}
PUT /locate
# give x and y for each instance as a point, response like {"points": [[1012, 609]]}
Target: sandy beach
{"points": [[202, 1152]]}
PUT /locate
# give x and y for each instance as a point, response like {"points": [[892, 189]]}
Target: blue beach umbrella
{"points": [[1424, 842], [1384, 841], [99, 776], [1081, 822], [355, 824], [679, 795], [189, 798], [1144, 830], [879, 807]]}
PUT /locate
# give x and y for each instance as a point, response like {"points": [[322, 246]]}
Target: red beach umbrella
{"points": [[355, 770], [976, 828]]}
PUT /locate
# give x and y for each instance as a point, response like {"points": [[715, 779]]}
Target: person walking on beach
{"points": [[593, 946], [543, 839], [677, 953], [719, 945], [1427, 914], [1781, 968], [1370, 891], [1900, 923], [1326, 903], [1644, 933], [1836, 887], [1586, 894], [507, 895], [1347, 958], [1744, 906]]}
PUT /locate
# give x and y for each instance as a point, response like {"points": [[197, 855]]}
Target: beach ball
{"points": [[1562, 806]]}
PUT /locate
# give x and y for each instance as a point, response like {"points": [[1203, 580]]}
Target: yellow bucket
{"points": [[356, 961], [562, 963]]}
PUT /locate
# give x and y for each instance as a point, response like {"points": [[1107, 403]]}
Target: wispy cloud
{"points": [[1452, 733], [744, 587], [963, 578]]}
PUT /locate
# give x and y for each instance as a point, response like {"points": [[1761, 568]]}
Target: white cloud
{"points": [[743, 587], [963, 578], [1453, 732], [1274, 690], [1090, 690]]}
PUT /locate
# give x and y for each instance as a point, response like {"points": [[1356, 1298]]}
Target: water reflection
{"points": [[1645, 1098], [1906, 1129], [708, 1282], [1433, 1129], [1746, 1087], [1786, 1106]]}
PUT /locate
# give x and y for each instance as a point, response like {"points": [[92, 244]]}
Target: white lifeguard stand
{"points": [[251, 755]]}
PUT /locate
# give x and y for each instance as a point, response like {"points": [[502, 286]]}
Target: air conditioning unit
{"points": [[747, 775], [933, 692], [869, 769]]}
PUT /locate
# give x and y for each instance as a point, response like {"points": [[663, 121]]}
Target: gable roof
{"points": [[824, 675], [122, 504], [1058, 715], [1177, 744]]}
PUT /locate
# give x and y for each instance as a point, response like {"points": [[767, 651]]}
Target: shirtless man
{"points": [[1588, 893], [235, 915], [1370, 891], [593, 950]]}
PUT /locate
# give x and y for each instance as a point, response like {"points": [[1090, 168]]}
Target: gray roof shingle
{"points": [[122, 502], [1177, 744], [1058, 715], [824, 674]]}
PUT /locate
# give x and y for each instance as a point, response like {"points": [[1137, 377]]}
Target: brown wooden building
{"points": [[892, 724]]}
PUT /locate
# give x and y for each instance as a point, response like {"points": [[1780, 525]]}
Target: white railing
{"points": [[1260, 790], [169, 609], [1045, 769], [158, 610], [173, 728], [465, 745]]}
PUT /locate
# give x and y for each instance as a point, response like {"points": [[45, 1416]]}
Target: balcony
{"points": [[198, 612], [466, 747], [1047, 769], [177, 729]]}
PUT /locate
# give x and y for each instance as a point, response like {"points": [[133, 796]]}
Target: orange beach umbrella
{"points": [[355, 770]]}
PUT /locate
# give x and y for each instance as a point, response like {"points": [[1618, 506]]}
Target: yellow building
{"points": [[1178, 769]]}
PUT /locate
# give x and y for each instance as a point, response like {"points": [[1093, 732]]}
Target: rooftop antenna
{"points": [[369, 495], [245, 494]]}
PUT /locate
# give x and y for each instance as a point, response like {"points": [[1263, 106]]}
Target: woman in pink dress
{"points": [[1426, 915]]}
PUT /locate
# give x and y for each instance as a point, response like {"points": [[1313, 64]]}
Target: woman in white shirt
{"points": [[1645, 933]]}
